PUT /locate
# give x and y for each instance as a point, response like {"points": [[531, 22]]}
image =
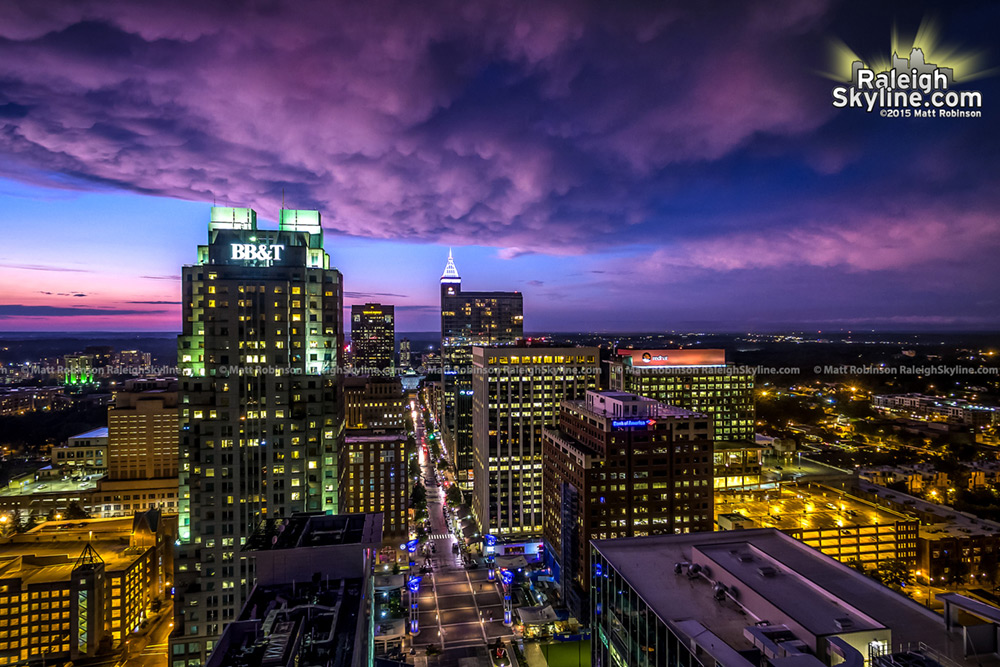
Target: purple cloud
{"points": [[538, 129]]}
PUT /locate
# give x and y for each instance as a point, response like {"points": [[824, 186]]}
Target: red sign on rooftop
{"points": [[642, 358]]}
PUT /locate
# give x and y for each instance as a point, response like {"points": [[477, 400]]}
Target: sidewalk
{"points": [[534, 656]]}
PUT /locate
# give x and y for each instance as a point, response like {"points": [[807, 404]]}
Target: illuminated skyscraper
{"points": [[261, 404], [405, 359], [373, 337], [620, 465], [695, 379], [142, 431], [517, 391], [468, 319], [702, 381]]}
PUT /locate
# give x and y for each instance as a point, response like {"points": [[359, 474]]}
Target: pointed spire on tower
{"points": [[450, 270]]}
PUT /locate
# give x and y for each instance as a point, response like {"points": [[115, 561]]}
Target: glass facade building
{"points": [[261, 405], [626, 631]]}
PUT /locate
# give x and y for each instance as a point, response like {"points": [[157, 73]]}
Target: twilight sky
{"points": [[628, 166]]}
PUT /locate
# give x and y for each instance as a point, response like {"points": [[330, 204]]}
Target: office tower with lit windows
{"points": [[695, 379], [620, 465], [468, 319], [135, 361], [142, 431], [517, 391], [373, 479], [405, 355], [261, 405], [374, 402], [702, 381], [373, 337], [373, 465]]}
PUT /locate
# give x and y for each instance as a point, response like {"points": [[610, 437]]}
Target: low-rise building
{"points": [[840, 525], [68, 587], [86, 451], [952, 546], [759, 598], [33, 495], [22, 400], [938, 408]]}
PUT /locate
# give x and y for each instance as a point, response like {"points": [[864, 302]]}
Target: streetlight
{"points": [[414, 587], [506, 578], [491, 545]]}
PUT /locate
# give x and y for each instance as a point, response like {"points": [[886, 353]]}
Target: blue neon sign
{"points": [[627, 423]]}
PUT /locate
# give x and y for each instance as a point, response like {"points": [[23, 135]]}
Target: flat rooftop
{"points": [[936, 520], [275, 620], [54, 560], [313, 530], [570, 443], [782, 581], [364, 435], [802, 507], [655, 410], [48, 488]]}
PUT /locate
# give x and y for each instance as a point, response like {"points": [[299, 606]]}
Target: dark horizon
{"points": [[633, 332]]}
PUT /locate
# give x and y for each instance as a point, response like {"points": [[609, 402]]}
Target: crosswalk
{"points": [[440, 536]]}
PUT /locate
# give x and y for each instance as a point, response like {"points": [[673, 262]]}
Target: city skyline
{"points": [[626, 170]]}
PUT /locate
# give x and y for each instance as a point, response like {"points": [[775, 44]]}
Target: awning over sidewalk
{"points": [[537, 615]]}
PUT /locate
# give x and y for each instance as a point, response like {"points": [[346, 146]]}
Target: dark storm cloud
{"points": [[544, 128], [692, 140]]}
